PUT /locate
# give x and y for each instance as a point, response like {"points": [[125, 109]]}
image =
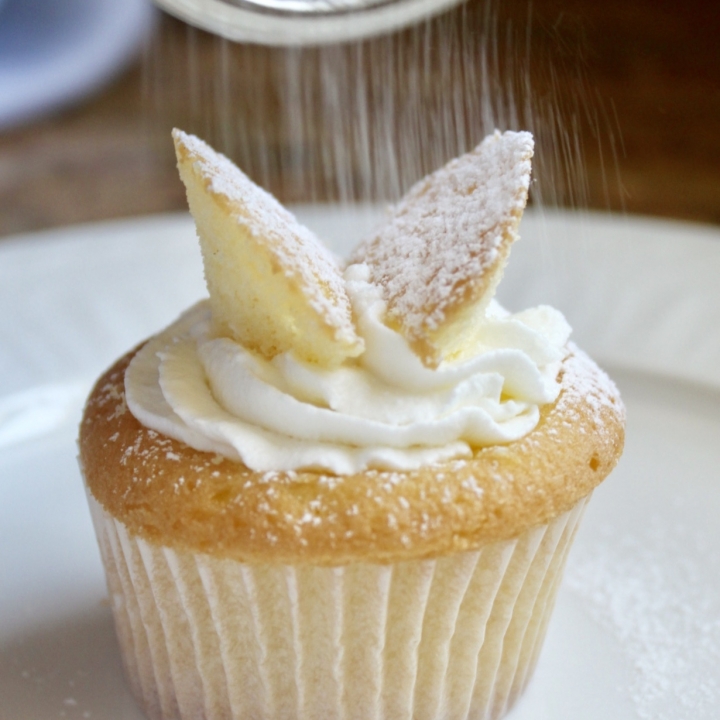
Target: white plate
{"points": [[53, 52], [636, 633]]}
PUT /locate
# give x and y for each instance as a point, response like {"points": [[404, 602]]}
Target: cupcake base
{"points": [[454, 637]]}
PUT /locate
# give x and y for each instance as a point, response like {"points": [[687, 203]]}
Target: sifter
{"points": [[302, 22]]}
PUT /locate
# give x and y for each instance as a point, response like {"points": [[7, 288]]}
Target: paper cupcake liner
{"points": [[455, 637]]}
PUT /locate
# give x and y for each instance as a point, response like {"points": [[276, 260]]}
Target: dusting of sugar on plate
{"points": [[655, 593]]}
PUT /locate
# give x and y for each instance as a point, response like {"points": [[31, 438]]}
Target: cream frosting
{"points": [[384, 409]]}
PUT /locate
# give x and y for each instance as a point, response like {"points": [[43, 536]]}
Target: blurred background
{"points": [[624, 99]]}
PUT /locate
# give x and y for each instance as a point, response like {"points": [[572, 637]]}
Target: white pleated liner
{"points": [[452, 638]]}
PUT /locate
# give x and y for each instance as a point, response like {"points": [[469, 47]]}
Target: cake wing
{"points": [[443, 250], [273, 286]]}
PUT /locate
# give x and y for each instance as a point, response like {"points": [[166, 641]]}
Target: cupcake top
{"points": [[172, 494], [387, 410], [400, 362]]}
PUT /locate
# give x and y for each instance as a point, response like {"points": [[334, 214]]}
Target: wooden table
{"points": [[626, 94]]}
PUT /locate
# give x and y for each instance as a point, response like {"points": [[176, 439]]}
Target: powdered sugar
{"points": [[445, 236], [588, 389], [652, 592]]}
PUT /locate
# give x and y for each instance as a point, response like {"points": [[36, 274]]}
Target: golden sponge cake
{"points": [[273, 286], [442, 252]]}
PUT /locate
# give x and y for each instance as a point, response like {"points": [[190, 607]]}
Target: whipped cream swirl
{"points": [[384, 409]]}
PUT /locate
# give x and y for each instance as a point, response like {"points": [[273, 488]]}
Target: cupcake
{"points": [[345, 492]]}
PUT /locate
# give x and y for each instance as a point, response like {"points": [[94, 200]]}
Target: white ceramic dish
{"points": [[636, 633], [53, 52]]}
